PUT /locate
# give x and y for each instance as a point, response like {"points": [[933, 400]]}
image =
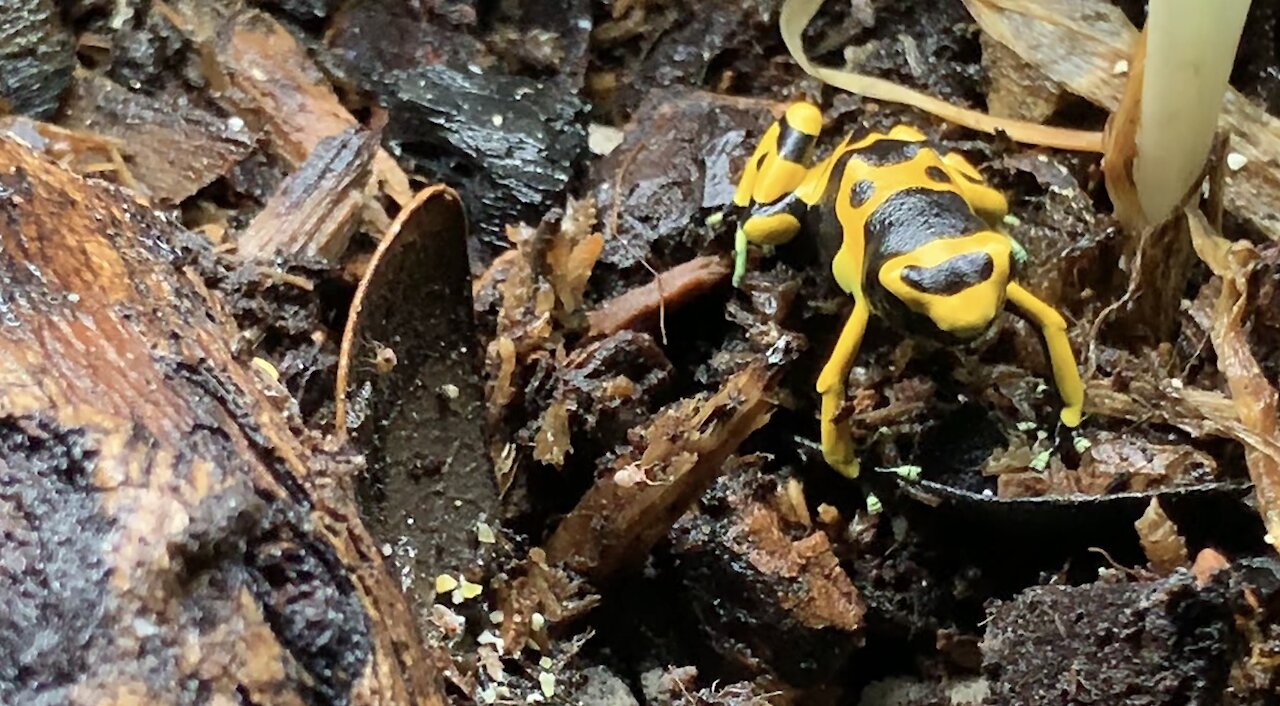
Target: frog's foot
{"points": [[1071, 414], [739, 256], [837, 448]]}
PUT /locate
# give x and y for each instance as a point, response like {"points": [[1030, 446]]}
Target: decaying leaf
{"points": [[553, 442], [1165, 548], [1254, 398], [572, 255]]}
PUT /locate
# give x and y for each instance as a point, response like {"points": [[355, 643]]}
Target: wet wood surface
{"points": [[167, 532]]}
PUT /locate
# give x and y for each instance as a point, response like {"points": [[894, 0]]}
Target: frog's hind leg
{"points": [[767, 188]]}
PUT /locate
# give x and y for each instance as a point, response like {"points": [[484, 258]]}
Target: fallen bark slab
{"points": [[630, 509], [166, 533]]}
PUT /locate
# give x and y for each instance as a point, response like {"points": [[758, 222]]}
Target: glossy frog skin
{"points": [[914, 240]]}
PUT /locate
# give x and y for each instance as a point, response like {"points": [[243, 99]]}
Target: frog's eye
{"points": [[950, 276]]}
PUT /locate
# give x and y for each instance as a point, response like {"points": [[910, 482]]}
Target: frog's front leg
{"points": [[766, 191], [837, 442], [987, 202]]}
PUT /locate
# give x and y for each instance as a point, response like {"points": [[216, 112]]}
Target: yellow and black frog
{"points": [[918, 245]]}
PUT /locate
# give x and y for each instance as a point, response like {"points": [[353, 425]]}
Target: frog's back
{"points": [[923, 192]]}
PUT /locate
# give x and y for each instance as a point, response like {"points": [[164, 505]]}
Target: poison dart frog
{"points": [[913, 235]]}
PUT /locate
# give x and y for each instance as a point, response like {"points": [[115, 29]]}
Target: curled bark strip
{"points": [[410, 392], [153, 498]]}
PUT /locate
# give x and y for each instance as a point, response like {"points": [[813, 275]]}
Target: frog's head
{"points": [[958, 283]]}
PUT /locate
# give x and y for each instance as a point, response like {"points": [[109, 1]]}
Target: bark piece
{"points": [[37, 56], [627, 511], [316, 210], [275, 85], [681, 154], [762, 588], [512, 159], [167, 532], [173, 148], [1018, 89]]}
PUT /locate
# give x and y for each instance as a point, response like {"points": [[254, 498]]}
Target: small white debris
{"points": [[537, 621], [534, 698], [449, 390], [1175, 383], [1236, 161], [489, 637], [408, 521], [487, 695], [235, 123], [547, 681], [496, 617], [603, 139], [387, 549], [1025, 426], [73, 297], [1120, 67], [484, 533], [497, 120], [545, 663]]}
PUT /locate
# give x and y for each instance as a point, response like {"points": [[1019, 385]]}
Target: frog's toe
{"points": [[845, 462], [1070, 416]]}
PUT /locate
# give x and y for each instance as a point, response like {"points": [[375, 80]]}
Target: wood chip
{"points": [[173, 148], [316, 210], [642, 305]]}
